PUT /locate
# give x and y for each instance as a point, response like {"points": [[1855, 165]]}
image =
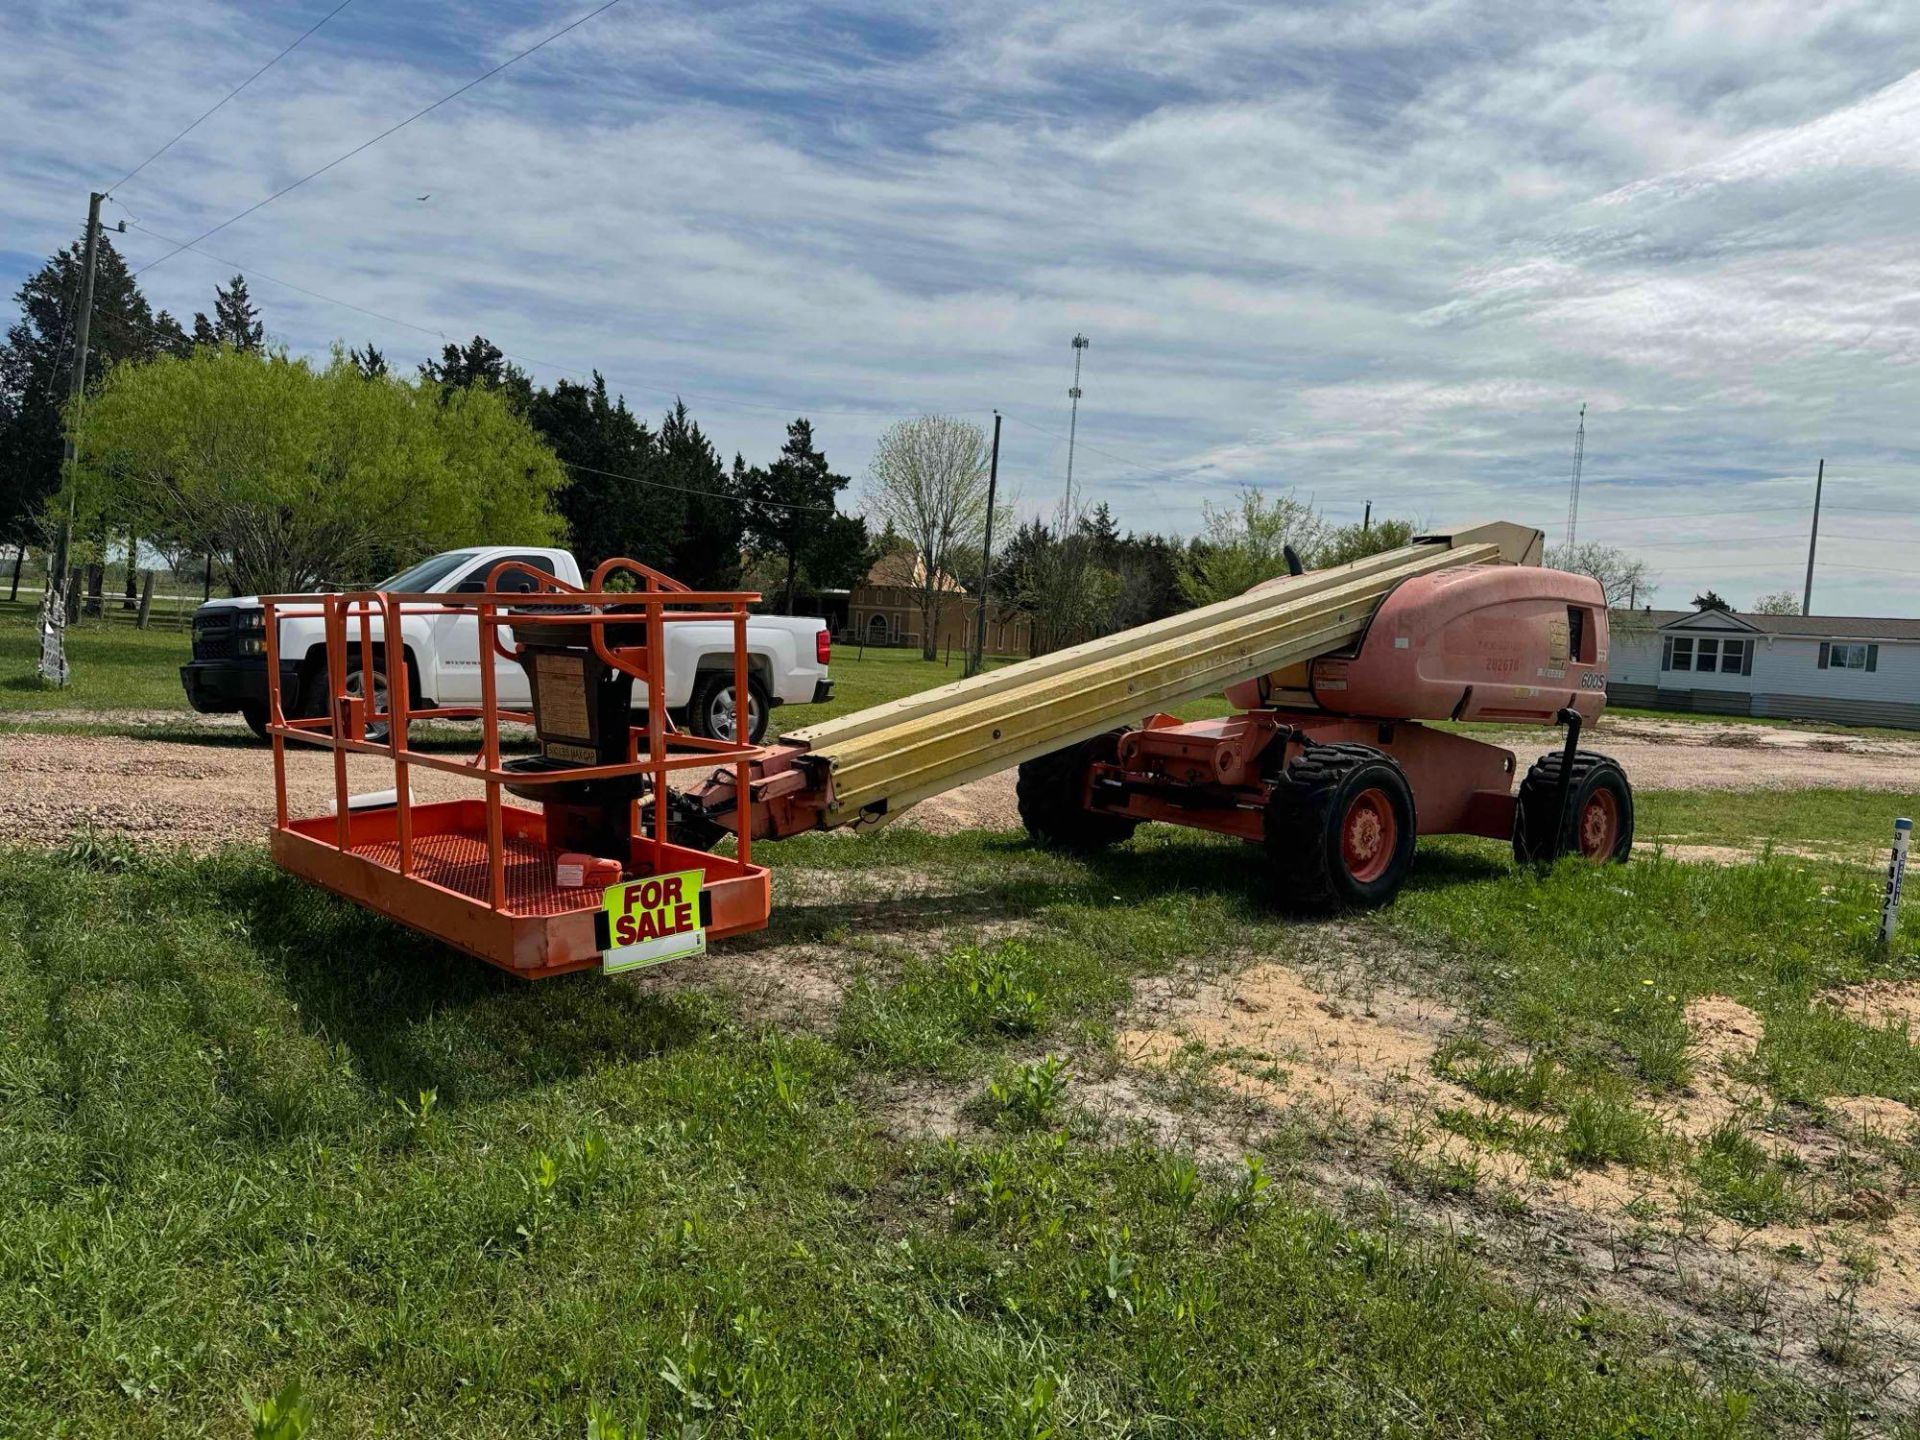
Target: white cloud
{"points": [[1372, 251]]}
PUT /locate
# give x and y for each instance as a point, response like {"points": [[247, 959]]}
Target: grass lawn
{"points": [[255, 1137], [115, 666], [1846, 823]]}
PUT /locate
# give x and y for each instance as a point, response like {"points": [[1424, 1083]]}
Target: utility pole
{"points": [[1080, 343], [1573, 490], [1366, 520], [1813, 537], [986, 557], [53, 616]]}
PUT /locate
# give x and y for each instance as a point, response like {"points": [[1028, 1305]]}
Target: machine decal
{"points": [[651, 920]]}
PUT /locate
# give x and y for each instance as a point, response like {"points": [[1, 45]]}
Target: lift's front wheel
{"points": [[1340, 829], [1052, 794], [1597, 824]]}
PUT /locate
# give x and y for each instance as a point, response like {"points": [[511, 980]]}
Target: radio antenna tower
{"points": [[1080, 343], [1573, 490]]}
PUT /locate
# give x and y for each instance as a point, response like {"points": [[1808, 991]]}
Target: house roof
{"points": [[905, 569], [1806, 627]]}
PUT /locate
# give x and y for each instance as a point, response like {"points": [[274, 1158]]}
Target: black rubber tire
{"points": [[1534, 838], [254, 712], [708, 692], [1307, 815], [1051, 790]]}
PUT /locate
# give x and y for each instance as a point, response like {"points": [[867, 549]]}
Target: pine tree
{"points": [[790, 511], [370, 362], [35, 364], [609, 506], [235, 323], [706, 555], [480, 362]]}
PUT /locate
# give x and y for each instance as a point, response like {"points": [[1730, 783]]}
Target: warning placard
{"points": [[653, 919]]}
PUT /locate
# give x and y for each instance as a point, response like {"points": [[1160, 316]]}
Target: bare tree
{"points": [[1777, 602], [928, 480], [1626, 580]]}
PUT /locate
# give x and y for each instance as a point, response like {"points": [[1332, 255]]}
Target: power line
{"points": [[229, 95], [712, 494], [1161, 472], [390, 130], [565, 370]]}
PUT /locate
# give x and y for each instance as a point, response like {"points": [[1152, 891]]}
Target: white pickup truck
{"points": [[787, 657]]}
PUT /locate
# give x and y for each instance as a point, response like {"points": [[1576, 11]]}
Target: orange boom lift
{"points": [[1327, 763]]}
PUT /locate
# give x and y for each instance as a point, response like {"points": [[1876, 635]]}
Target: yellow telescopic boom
{"points": [[886, 758]]}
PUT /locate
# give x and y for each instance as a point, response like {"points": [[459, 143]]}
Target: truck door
{"points": [[456, 639]]}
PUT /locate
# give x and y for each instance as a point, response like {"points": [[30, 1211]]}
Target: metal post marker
{"points": [[1896, 875]]}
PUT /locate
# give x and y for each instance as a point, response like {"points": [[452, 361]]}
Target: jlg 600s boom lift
{"points": [[1325, 762]]}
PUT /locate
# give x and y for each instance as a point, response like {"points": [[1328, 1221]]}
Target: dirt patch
{"points": [[1267, 1034], [1874, 1115], [1880, 1003], [1359, 1073]]}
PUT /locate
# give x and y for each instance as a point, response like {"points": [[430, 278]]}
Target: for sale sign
{"points": [[653, 919]]}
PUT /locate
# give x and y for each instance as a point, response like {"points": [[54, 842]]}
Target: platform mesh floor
{"points": [[459, 862]]}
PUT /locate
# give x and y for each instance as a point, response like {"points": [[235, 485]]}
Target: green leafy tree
{"points": [[235, 324], [1246, 542], [790, 514], [35, 366], [298, 477], [1711, 601], [1348, 543], [1777, 602]]}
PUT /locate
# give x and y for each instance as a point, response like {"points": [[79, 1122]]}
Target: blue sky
{"points": [[1362, 252]]}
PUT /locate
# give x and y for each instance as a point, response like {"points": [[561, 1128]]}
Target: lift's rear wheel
{"points": [[1052, 795], [1340, 829], [1598, 823]]}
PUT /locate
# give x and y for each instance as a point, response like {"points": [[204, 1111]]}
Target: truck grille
{"points": [[213, 638]]}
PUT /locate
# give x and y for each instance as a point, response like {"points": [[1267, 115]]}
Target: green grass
{"points": [[1595, 968], [254, 1137], [1841, 821], [115, 666]]}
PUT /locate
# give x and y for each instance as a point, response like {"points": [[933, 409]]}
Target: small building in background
{"points": [[884, 610], [1845, 669]]}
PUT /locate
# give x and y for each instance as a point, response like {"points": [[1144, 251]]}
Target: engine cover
{"points": [[1487, 642]]}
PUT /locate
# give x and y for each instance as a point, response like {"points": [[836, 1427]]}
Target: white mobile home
{"points": [[1853, 669]]}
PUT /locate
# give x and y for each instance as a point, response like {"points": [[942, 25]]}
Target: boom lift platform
{"points": [[1326, 762]]}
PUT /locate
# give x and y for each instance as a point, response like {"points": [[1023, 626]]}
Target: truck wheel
{"points": [[254, 712], [313, 690], [1340, 829], [1598, 825], [1051, 792], [711, 710]]}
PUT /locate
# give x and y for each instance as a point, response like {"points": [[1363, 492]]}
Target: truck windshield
{"points": [[428, 573]]}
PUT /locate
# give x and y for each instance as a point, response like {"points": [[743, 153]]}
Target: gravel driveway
{"points": [[218, 786]]}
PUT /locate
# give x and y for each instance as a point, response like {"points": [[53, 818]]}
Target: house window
{"points": [[1708, 655], [1855, 655]]}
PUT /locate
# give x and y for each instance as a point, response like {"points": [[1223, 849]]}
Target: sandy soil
{"points": [[217, 787], [1356, 1066]]}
